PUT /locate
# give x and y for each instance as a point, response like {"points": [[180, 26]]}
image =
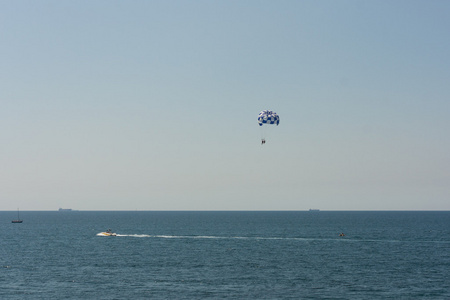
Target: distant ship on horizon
{"points": [[18, 218], [66, 210], [314, 209]]}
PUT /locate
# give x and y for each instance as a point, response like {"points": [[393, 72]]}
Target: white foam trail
{"points": [[221, 237], [340, 239], [135, 235]]}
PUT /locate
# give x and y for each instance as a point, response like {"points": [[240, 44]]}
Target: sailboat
{"points": [[18, 219]]}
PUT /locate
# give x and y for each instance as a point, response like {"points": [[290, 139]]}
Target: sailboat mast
{"points": [[18, 218]]}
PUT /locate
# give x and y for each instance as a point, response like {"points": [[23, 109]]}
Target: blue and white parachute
{"points": [[268, 117]]}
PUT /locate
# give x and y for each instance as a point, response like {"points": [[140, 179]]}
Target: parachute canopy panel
{"points": [[268, 117]]}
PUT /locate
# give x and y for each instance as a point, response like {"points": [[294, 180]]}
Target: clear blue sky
{"points": [[152, 105]]}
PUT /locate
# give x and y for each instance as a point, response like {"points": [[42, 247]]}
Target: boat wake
{"points": [[216, 237], [201, 237], [309, 239]]}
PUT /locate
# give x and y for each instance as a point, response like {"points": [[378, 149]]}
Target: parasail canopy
{"points": [[268, 117]]}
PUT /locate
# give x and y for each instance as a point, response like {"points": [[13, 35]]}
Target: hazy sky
{"points": [[153, 105]]}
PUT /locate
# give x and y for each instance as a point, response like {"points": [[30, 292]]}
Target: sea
{"points": [[225, 255]]}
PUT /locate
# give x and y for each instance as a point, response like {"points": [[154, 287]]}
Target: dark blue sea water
{"points": [[235, 255]]}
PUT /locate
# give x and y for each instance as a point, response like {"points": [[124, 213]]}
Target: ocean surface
{"points": [[225, 255]]}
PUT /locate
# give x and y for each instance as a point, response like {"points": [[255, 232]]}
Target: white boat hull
{"points": [[107, 234]]}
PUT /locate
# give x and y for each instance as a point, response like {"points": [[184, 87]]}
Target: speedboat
{"points": [[107, 233]]}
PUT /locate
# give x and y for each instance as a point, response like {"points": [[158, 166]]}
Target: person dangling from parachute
{"points": [[267, 117]]}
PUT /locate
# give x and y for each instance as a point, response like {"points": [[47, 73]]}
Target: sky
{"points": [[153, 105]]}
